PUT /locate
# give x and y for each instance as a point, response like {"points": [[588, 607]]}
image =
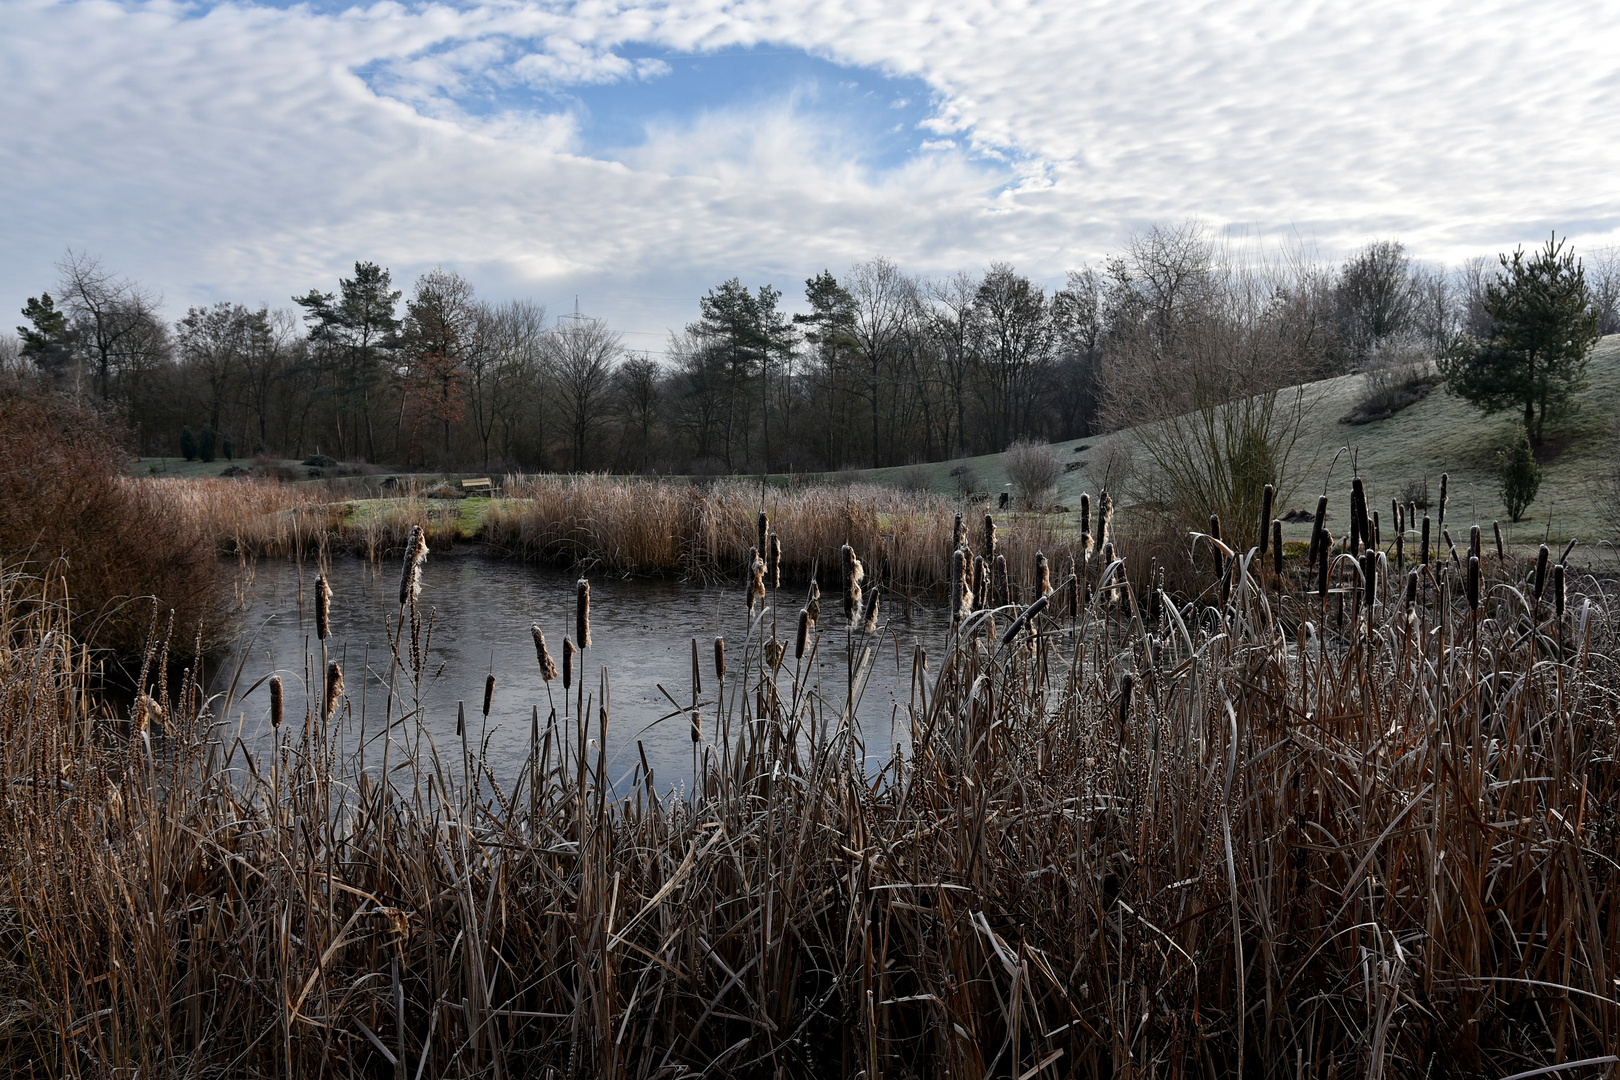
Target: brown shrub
{"points": [[63, 504]]}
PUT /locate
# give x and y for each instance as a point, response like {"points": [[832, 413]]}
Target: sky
{"points": [[634, 154]]}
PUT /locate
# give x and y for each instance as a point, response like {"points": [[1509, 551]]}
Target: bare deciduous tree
{"points": [[583, 355]]}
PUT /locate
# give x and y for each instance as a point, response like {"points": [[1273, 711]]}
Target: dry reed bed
{"points": [[1124, 842]]}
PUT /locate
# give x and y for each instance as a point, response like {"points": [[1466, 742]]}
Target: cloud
{"points": [[248, 151]]}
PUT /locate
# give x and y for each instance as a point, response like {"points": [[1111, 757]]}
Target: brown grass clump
{"points": [[1245, 839], [63, 505]]}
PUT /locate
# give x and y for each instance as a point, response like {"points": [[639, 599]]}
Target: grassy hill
{"points": [[1440, 434]]}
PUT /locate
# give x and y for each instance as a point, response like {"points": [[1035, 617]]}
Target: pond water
{"points": [[482, 608]]}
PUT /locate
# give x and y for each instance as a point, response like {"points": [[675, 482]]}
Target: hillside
{"points": [[1438, 434]]}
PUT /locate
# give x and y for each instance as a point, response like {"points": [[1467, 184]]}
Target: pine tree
{"points": [[49, 342], [188, 444], [1519, 476], [1542, 329], [205, 443]]}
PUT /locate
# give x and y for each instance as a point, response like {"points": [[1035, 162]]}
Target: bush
{"points": [[914, 478], [1034, 471], [444, 489], [188, 444], [64, 507], [320, 461], [225, 446], [205, 443], [1519, 476], [1399, 373], [967, 481]]}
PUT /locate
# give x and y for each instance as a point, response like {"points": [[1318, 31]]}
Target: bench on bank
{"points": [[480, 486]]}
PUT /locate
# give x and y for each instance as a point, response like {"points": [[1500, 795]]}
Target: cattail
{"points": [[1558, 590], [489, 693], [548, 669], [1400, 551], [275, 701], [1501, 552], [853, 573], [803, 637], [869, 626], [1043, 575], [1369, 577], [1085, 526], [774, 651], [756, 579], [1411, 589], [1107, 553], [962, 592], [1276, 546], [1267, 494], [1358, 516], [416, 552], [1317, 529], [720, 658], [1215, 534], [773, 563], [1105, 517], [1322, 564], [1474, 551], [323, 608], [1541, 572], [1444, 479], [582, 613], [1001, 589], [958, 533], [1473, 583], [568, 664], [1397, 516], [981, 594], [760, 527], [1563, 560], [1423, 551], [989, 537], [812, 607], [1126, 684], [334, 690]]}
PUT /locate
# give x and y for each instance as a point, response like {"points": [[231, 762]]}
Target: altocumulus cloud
{"points": [[247, 151]]}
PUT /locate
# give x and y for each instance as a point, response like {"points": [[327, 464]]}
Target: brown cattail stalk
{"points": [[1085, 526], [1423, 550], [1411, 589], [1444, 480], [548, 669], [1317, 529], [276, 703], [803, 637], [323, 608], [334, 690], [1369, 579], [958, 533], [760, 525], [961, 591], [1105, 518], [1541, 572], [1043, 575], [1267, 495], [489, 693], [568, 664], [1001, 590], [773, 563], [1473, 583], [775, 650], [989, 551], [853, 573], [1358, 517], [1558, 590], [756, 579], [869, 625], [1474, 550], [582, 613], [416, 552], [812, 607], [1215, 534], [720, 658]]}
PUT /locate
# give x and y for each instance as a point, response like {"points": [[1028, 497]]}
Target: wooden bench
{"points": [[480, 486]]}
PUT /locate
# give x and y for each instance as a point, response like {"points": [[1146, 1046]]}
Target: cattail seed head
{"points": [[774, 652], [276, 703], [1317, 529], [334, 690], [1215, 534], [1558, 590], [1541, 571], [1369, 578], [958, 533], [869, 625], [760, 526], [548, 669], [1474, 551], [980, 590], [1473, 583], [1400, 551], [1411, 589], [1001, 591], [1397, 516], [323, 608], [568, 663], [1444, 480], [756, 579], [962, 592], [1085, 525], [773, 563], [1267, 495], [853, 573], [1423, 551], [416, 552], [720, 658], [1105, 517], [1107, 553], [1126, 685], [582, 613], [812, 608], [1043, 575], [803, 637], [489, 693], [989, 551]]}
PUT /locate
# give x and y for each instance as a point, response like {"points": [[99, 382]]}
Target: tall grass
{"points": [[1221, 839]]}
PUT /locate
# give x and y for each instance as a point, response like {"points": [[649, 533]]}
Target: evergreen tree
{"points": [[355, 330], [226, 446], [49, 342], [188, 444], [1519, 476], [1541, 332], [205, 443]]}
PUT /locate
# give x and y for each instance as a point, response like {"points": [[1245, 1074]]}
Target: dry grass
{"points": [[1140, 841]]}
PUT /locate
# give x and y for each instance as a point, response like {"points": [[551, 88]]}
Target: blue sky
{"points": [[637, 153]]}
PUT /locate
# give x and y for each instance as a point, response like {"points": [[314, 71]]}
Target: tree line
{"points": [[879, 367]]}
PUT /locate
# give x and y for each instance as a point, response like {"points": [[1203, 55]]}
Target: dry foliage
{"points": [[1275, 836]]}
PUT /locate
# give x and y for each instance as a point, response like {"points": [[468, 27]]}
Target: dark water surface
{"points": [[642, 629]]}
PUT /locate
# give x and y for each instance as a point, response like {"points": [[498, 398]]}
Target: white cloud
{"points": [[238, 151]]}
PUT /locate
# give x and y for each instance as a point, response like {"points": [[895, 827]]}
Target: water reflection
{"points": [[482, 608]]}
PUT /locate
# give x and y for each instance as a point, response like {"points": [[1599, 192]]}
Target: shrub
{"points": [[226, 448], [1416, 493], [65, 508], [444, 489], [1519, 476], [1033, 470], [205, 443], [188, 444], [967, 481], [1398, 374], [914, 477], [320, 461]]}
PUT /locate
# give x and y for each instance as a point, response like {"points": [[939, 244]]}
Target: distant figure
{"points": [[1003, 503]]}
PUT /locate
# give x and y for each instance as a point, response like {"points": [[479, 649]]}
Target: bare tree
{"points": [[636, 398], [272, 350], [1014, 341], [115, 320], [954, 318], [882, 296], [1603, 278], [584, 354]]}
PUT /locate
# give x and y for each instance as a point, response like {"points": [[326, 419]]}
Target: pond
{"points": [[481, 610]]}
